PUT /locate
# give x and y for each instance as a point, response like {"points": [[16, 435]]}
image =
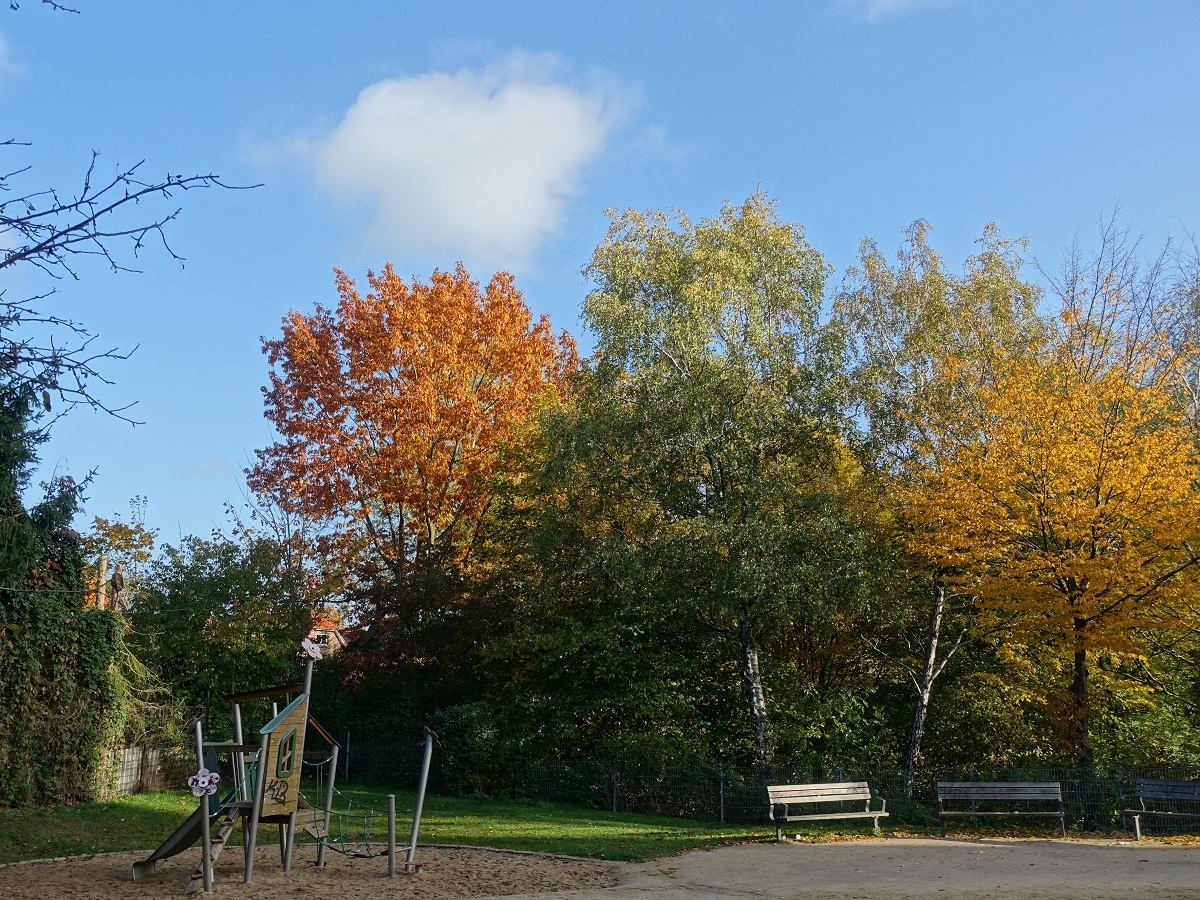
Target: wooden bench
{"points": [[1010, 792], [1158, 791], [781, 796]]}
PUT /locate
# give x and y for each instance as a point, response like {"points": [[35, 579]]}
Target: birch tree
{"points": [[899, 320], [713, 406]]}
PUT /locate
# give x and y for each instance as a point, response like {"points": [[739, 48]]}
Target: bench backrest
{"points": [[999, 790], [1159, 789], [818, 793]]}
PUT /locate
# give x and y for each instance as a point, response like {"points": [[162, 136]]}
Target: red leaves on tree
{"points": [[392, 407]]}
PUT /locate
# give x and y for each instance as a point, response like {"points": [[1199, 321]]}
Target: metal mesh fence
{"points": [[737, 795], [730, 794]]}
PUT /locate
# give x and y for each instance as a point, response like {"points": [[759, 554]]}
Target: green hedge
{"points": [[58, 697]]}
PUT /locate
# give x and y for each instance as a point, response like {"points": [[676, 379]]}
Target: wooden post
{"points": [[118, 584], [101, 581]]}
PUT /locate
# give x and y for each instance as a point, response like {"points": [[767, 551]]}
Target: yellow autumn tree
{"points": [[1063, 493]]}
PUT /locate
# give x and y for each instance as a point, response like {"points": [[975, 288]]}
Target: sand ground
{"points": [[891, 869]]}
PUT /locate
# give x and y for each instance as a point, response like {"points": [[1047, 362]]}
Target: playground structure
{"points": [[266, 789], [321, 823]]}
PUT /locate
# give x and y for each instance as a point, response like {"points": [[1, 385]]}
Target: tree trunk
{"points": [[1079, 690], [925, 687], [1083, 739], [752, 678]]}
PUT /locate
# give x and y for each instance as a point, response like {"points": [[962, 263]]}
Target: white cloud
{"points": [[7, 65], [876, 11], [478, 162]]}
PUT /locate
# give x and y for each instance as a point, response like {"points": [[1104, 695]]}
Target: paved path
{"points": [[909, 868]]}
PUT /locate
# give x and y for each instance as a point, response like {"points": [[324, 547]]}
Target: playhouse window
{"points": [[285, 762]]}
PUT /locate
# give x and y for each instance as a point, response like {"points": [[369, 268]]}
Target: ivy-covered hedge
{"points": [[58, 690], [57, 697]]}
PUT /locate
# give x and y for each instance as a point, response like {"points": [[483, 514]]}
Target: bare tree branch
{"points": [[53, 4], [53, 232]]}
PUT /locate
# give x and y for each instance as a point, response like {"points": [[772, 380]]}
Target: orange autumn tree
{"points": [[391, 409], [1064, 493]]}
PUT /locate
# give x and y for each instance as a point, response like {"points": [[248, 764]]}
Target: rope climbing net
{"points": [[350, 827]]}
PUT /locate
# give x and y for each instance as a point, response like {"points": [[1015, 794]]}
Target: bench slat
{"points": [[1169, 795], [998, 796], [828, 786], [972, 814], [1169, 790], [816, 793], [841, 815], [999, 790], [781, 796]]}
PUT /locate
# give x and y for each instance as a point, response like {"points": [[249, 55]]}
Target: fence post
{"points": [[1121, 798], [721, 794], [144, 770], [346, 771], [614, 789]]}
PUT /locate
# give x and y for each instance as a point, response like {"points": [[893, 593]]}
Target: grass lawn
{"points": [[145, 821], [130, 823], [550, 827]]}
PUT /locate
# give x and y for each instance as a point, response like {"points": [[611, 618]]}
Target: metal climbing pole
{"points": [[416, 826]]}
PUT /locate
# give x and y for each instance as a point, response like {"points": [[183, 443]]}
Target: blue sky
{"points": [[498, 133]]}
